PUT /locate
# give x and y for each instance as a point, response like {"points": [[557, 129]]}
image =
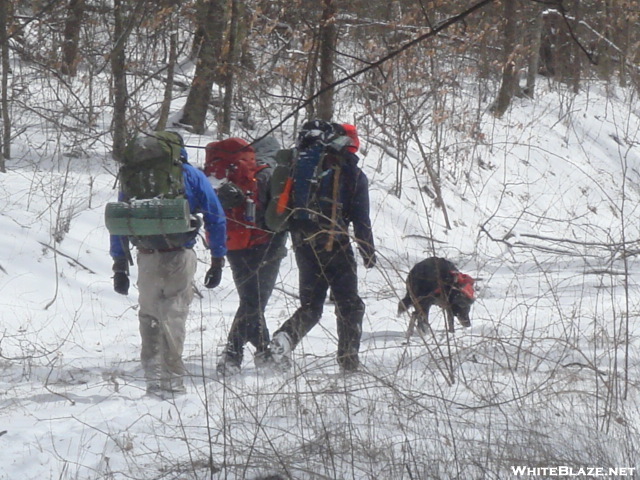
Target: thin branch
{"points": [[77, 262]]}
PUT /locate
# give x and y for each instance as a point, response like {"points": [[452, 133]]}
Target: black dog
{"points": [[436, 281]]}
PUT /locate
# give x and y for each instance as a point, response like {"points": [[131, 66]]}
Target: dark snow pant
{"points": [[255, 271], [165, 286], [319, 270]]}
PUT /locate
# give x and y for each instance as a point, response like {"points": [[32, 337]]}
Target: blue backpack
{"points": [[298, 177]]}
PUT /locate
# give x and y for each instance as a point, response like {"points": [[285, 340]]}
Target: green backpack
{"points": [[155, 213], [151, 167]]}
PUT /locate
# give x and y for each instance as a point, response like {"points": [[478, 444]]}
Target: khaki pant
{"points": [[165, 292]]}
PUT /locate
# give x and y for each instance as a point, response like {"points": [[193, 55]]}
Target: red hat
{"points": [[351, 132]]}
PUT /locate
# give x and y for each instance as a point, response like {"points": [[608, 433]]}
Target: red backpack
{"points": [[234, 160]]}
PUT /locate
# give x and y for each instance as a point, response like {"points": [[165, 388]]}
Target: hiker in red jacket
{"points": [[254, 252]]}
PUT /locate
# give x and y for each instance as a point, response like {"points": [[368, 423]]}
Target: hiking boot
{"points": [[228, 364], [348, 360], [278, 355], [263, 360], [265, 363], [165, 390], [280, 346], [153, 388]]}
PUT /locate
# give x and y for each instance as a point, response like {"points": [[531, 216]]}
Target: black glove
{"points": [[121, 283], [121, 276], [370, 261], [214, 275]]}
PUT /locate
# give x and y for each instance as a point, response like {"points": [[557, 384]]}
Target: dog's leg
{"points": [[423, 322], [450, 320], [412, 323]]}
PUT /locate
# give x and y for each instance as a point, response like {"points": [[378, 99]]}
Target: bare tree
{"points": [[201, 7], [165, 107], [4, 105], [118, 70], [509, 66], [576, 54], [230, 65], [328, 40], [533, 52], [75, 12], [195, 109]]}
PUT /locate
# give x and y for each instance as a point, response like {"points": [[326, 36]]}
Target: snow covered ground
{"points": [[544, 213]]}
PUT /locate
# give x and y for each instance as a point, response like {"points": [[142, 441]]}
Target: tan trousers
{"points": [[165, 292]]}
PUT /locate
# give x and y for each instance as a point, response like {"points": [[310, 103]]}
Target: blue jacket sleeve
{"points": [[119, 244], [203, 199]]}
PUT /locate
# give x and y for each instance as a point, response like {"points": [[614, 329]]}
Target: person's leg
{"points": [[264, 262], [268, 261], [149, 293], [343, 278], [313, 290], [180, 269], [167, 292], [244, 278]]}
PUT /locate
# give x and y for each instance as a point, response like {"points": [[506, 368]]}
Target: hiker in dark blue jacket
{"points": [[326, 259], [165, 290]]}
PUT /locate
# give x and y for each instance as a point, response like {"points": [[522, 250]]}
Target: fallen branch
{"points": [[66, 256], [578, 242]]}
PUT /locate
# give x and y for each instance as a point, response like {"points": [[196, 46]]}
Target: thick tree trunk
{"points": [[230, 67], [509, 70], [201, 9], [535, 35], [75, 11], [5, 147], [165, 108], [119, 82], [576, 53], [196, 107], [328, 40]]}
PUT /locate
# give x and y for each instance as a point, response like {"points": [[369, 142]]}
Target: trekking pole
{"points": [[334, 208]]}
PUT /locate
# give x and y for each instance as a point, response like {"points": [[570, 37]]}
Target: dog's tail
{"points": [[404, 304]]}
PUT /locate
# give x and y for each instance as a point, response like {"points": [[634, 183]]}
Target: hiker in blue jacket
{"points": [[324, 254], [165, 278]]}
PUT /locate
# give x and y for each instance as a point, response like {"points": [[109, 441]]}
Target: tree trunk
{"points": [[309, 83], [535, 36], [229, 68], [165, 108], [201, 8], [5, 147], [328, 41], [626, 39], [196, 107], [509, 70], [75, 11], [118, 70], [576, 53]]}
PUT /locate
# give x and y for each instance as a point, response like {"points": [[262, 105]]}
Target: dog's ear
{"points": [[464, 283]]}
